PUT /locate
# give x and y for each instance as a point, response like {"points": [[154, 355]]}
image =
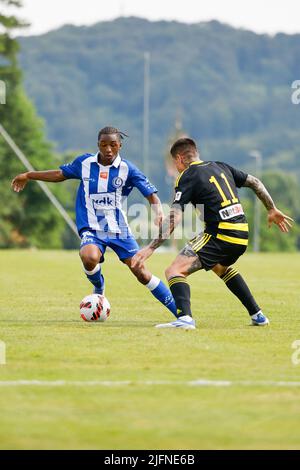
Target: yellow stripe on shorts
{"points": [[196, 241], [204, 240]]}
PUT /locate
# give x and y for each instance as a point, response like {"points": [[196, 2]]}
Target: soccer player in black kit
{"points": [[213, 185]]}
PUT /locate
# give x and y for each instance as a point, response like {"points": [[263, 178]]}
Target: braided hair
{"points": [[111, 130]]}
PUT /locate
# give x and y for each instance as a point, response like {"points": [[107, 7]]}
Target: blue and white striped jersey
{"points": [[102, 191]]}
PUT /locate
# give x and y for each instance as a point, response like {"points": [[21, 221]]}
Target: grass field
{"points": [[47, 341]]}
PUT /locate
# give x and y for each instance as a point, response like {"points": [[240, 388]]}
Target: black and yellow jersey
{"points": [[212, 188]]}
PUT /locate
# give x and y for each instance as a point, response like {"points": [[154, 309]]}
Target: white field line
{"points": [[121, 383]]}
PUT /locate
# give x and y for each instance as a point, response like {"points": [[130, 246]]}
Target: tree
{"points": [[285, 192], [28, 218]]}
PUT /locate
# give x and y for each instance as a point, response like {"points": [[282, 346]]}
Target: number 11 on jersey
{"points": [[225, 202]]}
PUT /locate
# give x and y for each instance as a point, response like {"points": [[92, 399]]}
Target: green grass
{"points": [[47, 340]]}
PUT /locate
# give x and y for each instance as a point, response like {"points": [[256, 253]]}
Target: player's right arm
{"points": [[274, 215], [183, 194], [51, 176], [165, 230]]}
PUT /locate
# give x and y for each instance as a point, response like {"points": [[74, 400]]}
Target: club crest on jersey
{"points": [[117, 182]]}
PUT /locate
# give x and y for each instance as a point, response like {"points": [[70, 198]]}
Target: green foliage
{"points": [[232, 98], [233, 88], [286, 194], [26, 219]]}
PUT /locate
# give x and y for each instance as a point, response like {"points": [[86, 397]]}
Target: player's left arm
{"points": [[138, 180], [275, 216], [156, 206]]}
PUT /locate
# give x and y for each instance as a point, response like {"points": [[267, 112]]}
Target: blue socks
{"points": [[155, 285], [162, 293], [96, 278]]}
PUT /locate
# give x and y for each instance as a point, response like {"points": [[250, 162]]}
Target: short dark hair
{"points": [[183, 145], [111, 130]]}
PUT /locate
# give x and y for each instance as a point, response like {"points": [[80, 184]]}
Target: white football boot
{"points": [[186, 323]]}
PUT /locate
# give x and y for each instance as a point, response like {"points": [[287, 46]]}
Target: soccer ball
{"points": [[94, 308]]}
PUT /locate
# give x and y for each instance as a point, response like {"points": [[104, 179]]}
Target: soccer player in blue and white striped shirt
{"points": [[105, 180]]}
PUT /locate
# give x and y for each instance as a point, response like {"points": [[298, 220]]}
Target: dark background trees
{"points": [[231, 87], [26, 219]]}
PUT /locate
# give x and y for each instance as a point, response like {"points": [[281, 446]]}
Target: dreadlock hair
{"points": [[184, 145], [111, 130]]}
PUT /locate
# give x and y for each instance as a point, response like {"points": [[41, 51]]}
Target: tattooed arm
{"points": [[260, 191], [165, 230], [274, 215], [167, 227]]}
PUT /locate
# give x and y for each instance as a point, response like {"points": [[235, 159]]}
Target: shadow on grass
{"points": [[113, 324]]}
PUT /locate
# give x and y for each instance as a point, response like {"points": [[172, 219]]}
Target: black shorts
{"points": [[212, 251]]}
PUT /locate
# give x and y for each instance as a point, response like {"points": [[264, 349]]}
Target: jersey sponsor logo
{"points": [[104, 201], [89, 179], [231, 211], [178, 196], [103, 175], [117, 182]]}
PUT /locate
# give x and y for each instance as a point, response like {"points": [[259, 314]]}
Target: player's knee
{"points": [[219, 270], [172, 271], [89, 260]]}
